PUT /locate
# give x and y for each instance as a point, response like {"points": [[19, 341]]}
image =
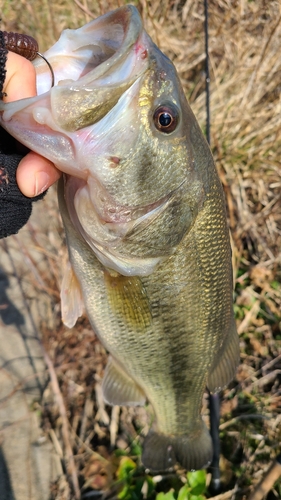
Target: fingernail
{"points": [[42, 180]]}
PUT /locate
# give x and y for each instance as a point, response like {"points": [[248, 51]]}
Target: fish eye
{"points": [[166, 118]]}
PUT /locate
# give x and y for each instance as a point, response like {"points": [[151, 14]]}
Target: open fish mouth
{"points": [[92, 76], [105, 224], [101, 51], [93, 66]]}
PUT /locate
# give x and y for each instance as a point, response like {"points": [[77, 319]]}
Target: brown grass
{"points": [[245, 41]]}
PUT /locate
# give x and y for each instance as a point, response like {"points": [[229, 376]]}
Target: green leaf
{"points": [[197, 497], [275, 285], [136, 449], [138, 486], [197, 481], [184, 493], [165, 496], [150, 486], [124, 494], [125, 469], [120, 453]]}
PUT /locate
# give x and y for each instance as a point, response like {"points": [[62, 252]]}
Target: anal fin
{"points": [[226, 362], [120, 389]]}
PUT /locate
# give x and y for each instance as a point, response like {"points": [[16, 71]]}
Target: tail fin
{"points": [[161, 452]]}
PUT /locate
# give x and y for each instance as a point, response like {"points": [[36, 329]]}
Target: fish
{"points": [[146, 228]]}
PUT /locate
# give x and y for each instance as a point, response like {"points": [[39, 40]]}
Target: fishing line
{"points": [[207, 71], [50, 68], [214, 399]]}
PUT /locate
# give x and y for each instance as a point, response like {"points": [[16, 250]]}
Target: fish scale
{"points": [[145, 221]]}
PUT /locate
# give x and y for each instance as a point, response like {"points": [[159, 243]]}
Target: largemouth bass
{"points": [[145, 222]]}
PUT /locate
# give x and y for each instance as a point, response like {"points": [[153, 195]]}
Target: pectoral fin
{"points": [[72, 305], [119, 389], [128, 300], [226, 362]]}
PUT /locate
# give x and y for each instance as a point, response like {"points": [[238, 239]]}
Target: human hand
{"points": [[35, 173]]}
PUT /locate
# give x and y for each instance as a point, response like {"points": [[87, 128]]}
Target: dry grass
{"points": [[245, 41]]}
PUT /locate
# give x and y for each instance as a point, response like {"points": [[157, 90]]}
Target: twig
{"points": [[65, 434], [101, 413], [88, 413], [84, 9], [242, 417], [265, 485], [255, 374], [224, 496], [258, 65], [87, 448], [56, 443], [248, 317], [113, 428], [32, 266], [268, 378], [271, 363]]}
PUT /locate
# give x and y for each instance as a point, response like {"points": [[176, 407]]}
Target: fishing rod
{"points": [[214, 399]]}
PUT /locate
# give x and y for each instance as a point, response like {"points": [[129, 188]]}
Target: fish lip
{"points": [[129, 18]]}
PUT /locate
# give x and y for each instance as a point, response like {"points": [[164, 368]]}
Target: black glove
{"points": [[15, 208]]}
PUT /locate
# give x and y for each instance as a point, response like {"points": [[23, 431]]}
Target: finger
{"points": [[35, 174], [20, 79]]}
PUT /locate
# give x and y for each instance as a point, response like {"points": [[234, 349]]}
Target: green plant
{"points": [[194, 488], [134, 484], [132, 481]]}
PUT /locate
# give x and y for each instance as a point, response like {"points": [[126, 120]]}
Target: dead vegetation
{"points": [[245, 41]]}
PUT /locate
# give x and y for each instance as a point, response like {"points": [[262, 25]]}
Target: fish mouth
{"points": [[93, 67], [96, 48], [110, 224], [97, 73]]}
